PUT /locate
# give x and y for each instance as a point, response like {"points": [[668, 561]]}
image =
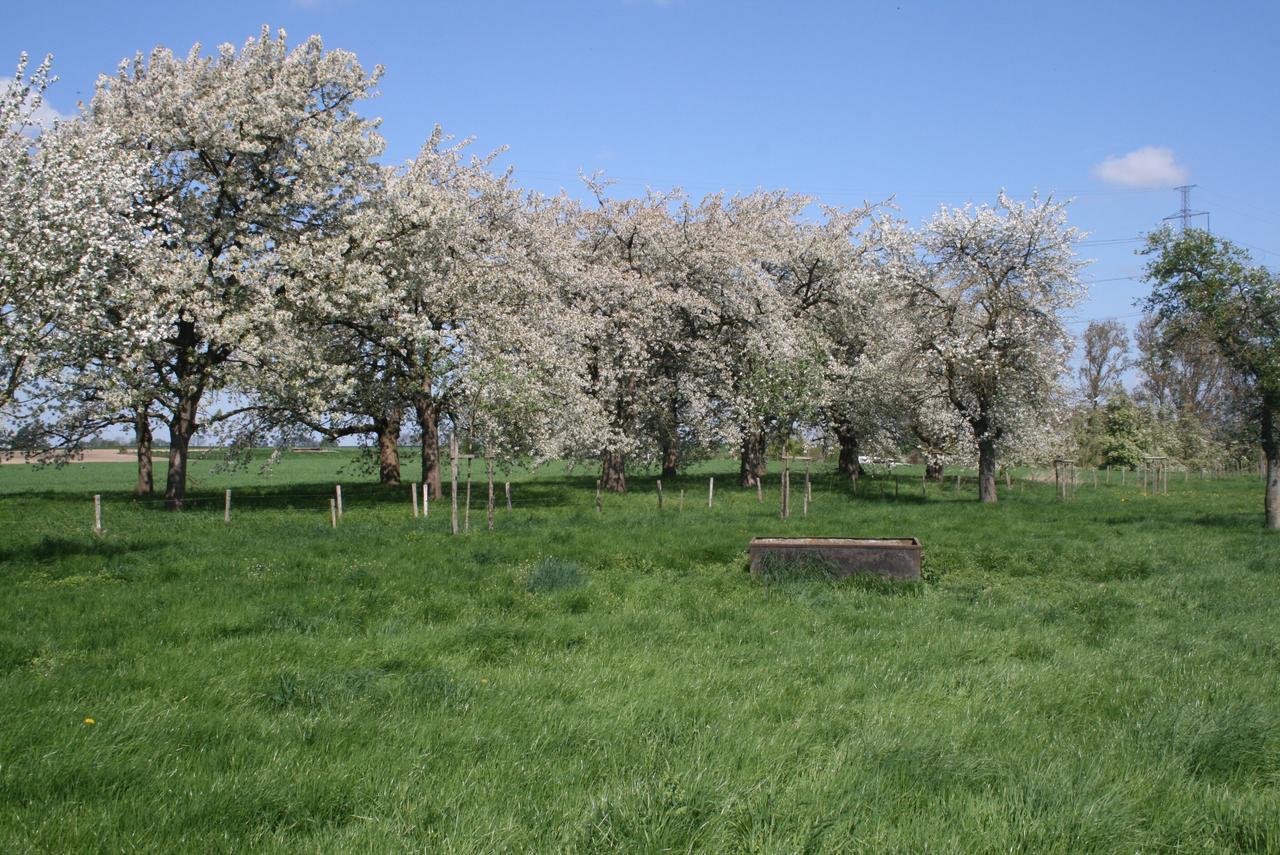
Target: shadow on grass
{"points": [[812, 570], [60, 548]]}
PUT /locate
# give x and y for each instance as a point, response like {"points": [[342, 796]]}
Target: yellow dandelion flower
{"points": [[89, 721]]}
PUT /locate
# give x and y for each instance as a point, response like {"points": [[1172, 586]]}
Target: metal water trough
{"points": [[890, 557]]}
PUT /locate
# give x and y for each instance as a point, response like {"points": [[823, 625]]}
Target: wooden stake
{"points": [[711, 492], [97, 513], [490, 463], [413, 497], [804, 506], [466, 511], [659, 494], [507, 486], [682, 500], [453, 480], [759, 489], [338, 490], [426, 500], [808, 488], [599, 507], [226, 508], [333, 513]]}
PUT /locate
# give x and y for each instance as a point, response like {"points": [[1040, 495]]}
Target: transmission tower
{"points": [[1186, 213]]}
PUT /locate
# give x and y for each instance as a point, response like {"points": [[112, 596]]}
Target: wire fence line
{"points": [[890, 483]]}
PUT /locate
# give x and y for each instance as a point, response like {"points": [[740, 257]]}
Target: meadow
{"points": [[1100, 674]]}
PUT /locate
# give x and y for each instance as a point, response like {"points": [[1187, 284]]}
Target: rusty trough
{"points": [[890, 557]]}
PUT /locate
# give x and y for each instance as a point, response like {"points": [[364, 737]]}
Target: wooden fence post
{"points": [[507, 486], [490, 466], [226, 508], [453, 481], [711, 492], [338, 491], [97, 513], [413, 497], [426, 500], [599, 507], [333, 513], [466, 511], [659, 494]]}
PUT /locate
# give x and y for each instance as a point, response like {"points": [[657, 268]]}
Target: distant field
{"points": [[1100, 674]]}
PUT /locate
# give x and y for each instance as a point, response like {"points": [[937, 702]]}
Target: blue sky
{"points": [[929, 102]]}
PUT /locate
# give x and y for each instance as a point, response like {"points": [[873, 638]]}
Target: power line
{"points": [[832, 191], [1109, 241], [1111, 318], [1247, 209]]}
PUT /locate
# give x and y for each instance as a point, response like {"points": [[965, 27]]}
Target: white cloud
{"points": [[1148, 167], [43, 116]]}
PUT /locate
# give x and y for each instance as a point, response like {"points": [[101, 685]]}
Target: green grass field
{"points": [[1096, 675]]}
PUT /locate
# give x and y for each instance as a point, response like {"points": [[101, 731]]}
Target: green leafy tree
{"points": [[1123, 440], [1207, 286]]}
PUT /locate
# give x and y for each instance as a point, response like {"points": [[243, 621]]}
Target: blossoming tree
{"points": [[437, 296], [989, 290], [66, 229], [253, 150]]}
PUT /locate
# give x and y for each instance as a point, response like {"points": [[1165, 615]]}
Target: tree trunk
{"points": [[987, 470], [671, 459], [142, 435], [181, 428], [848, 465], [933, 469], [669, 441], [613, 472], [388, 428], [429, 427], [752, 465], [1271, 449]]}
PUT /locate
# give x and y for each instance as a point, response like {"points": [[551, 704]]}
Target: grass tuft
{"points": [[551, 575]]}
